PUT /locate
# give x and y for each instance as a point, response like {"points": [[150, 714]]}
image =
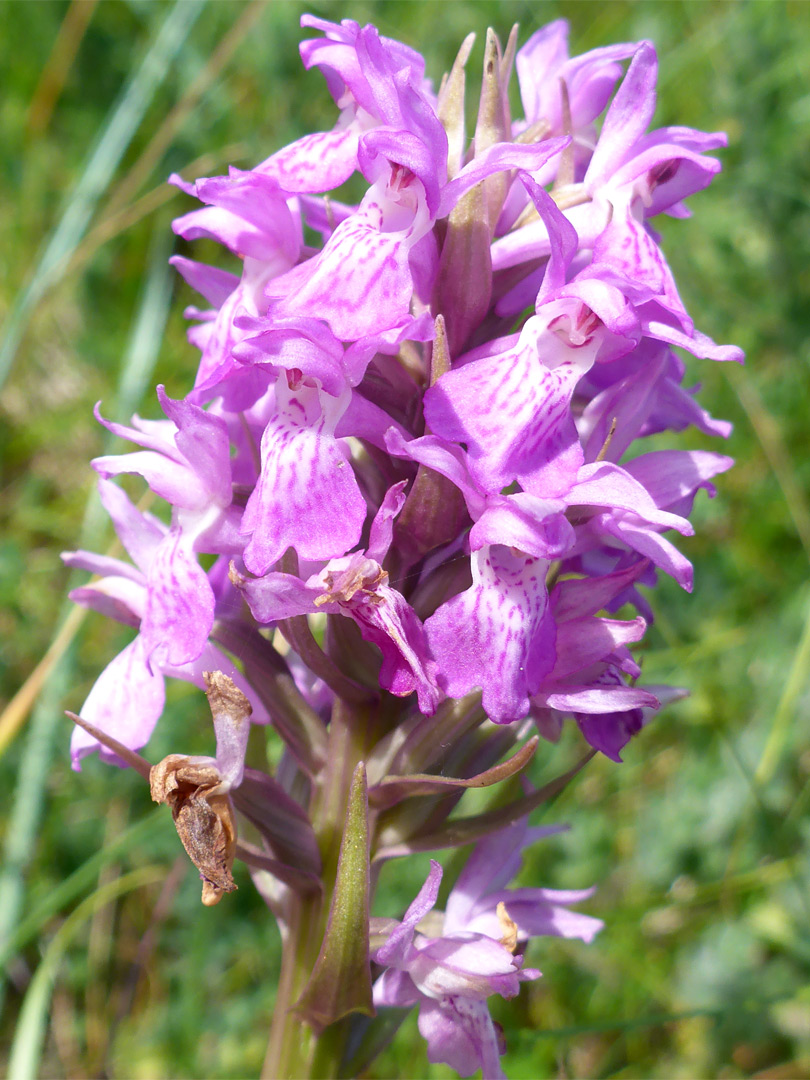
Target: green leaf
{"points": [[123, 121], [29, 927], [26, 1050], [394, 788], [468, 830]]}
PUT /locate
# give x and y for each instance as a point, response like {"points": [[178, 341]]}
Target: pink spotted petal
{"points": [[318, 162], [214, 284], [605, 484], [544, 912], [562, 237], [589, 78], [180, 603], [155, 435], [470, 964], [125, 702], [672, 477], [648, 543], [498, 635], [698, 344], [536, 526], [305, 344], [279, 596], [390, 623], [140, 533], [118, 598], [202, 438], [627, 118], [668, 165], [103, 565], [395, 987], [394, 952], [577, 597], [525, 393], [447, 460], [375, 279], [500, 157], [307, 496], [582, 642], [219, 371], [537, 64], [597, 699], [248, 214], [337, 55], [365, 420], [175, 483], [382, 527], [460, 1033], [627, 247]]}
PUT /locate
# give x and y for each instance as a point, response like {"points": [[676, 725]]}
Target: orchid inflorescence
{"points": [[407, 451]]}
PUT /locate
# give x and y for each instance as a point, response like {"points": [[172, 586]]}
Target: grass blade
{"points": [[68, 890], [29, 795], [26, 1050], [58, 66], [150, 324], [124, 120]]}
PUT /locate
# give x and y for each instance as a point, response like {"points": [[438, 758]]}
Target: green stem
{"points": [[295, 1050], [289, 1049], [328, 1051]]}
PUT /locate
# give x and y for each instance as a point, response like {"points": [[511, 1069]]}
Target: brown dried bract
{"points": [[203, 816], [225, 697]]}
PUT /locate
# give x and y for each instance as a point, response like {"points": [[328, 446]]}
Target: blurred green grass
{"points": [[697, 842]]}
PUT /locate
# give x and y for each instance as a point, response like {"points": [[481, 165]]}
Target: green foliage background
{"points": [[697, 842]]}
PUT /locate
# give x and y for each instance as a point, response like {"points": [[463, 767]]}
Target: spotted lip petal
{"points": [[126, 701], [307, 496], [527, 390], [376, 282], [514, 392], [498, 635], [356, 587]]}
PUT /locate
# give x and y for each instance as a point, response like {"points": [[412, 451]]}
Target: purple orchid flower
{"points": [[500, 635], [592, 663], [249, 214], [590, 78], [642, 397], [477, 952], [632, 175], [376, 247], [324, 160], [307, 495], [357, 587], [153, 595]]}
